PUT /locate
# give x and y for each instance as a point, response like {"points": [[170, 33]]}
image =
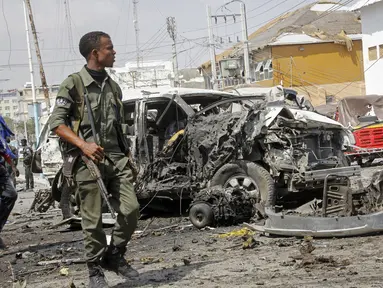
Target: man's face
{"points": [[105, 55]]}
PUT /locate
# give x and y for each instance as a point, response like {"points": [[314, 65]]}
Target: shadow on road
{"points": [[155, 278]]}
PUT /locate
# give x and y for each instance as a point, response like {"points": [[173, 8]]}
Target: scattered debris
{"points": [[19, 284], [308, 260], [229, 206], [64, 271], [237, 233], [176, 247], [62, 261], [43, 201], [151, 260], [249, 242], [186, 261], [71, 284], [26, 255]]}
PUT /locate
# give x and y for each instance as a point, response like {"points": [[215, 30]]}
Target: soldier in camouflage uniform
{"points": [[107, 110], [27, 161]]}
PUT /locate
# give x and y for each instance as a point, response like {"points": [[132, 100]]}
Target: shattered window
{"points": [[152, 115]]}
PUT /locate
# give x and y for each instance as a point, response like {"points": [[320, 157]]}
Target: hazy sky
{"points": [[61, 57]]}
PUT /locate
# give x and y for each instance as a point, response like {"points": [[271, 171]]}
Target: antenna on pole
{"points": [[172, 30], [137, 31], [68, 20]]}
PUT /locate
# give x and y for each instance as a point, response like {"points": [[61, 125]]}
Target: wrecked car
{"points": [[190, 144]]}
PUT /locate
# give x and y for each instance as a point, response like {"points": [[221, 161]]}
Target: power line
{"points": [[81, 59], [260, 6], [234, 23], [376, 61], [9, 34], [127, 26]]}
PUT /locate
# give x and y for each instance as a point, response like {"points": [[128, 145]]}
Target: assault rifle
{"points": [[92, 167]]}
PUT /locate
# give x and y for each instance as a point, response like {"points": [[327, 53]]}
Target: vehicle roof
{"points": [[152, 93]]}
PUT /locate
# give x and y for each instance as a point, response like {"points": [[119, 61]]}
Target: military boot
{"points": [[96, 276], [114, 261]]}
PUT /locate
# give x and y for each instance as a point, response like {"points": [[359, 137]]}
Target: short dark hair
{"points": [[90, 41]]}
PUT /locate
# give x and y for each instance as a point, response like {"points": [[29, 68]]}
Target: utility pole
{"points": [[211, 39], [212, 49], [38, 55], [133, 74], [172, 30], [37, 127], [137, 31], [245, 44], [291, 71]]}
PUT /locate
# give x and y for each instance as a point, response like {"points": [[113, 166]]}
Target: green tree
{"points": [[18, 127]]}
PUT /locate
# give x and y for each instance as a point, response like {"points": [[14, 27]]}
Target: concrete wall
{"points": [[317, 64], [9, 104], [372, 29]]}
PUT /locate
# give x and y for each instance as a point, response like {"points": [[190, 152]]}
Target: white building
{"points": [[372, 29], [149, 74], [26, 99], [9, 104]]}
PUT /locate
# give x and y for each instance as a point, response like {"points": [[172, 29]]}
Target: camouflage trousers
{"points": [[118, 179], [29, 177]]}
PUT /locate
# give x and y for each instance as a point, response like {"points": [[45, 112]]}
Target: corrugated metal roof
{"points": [[311, 20], [363, 3], [293, 39]]}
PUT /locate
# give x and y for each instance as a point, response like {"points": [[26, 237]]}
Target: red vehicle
{"points": [[364, 116]]}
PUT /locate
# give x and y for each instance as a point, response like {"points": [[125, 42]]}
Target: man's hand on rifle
{"points": [[93, 151]]}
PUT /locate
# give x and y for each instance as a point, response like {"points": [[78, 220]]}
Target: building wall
{"points": [[9, 104], [317, 64], [372, 29], [26, 98], [149, 74], [319, 95]]}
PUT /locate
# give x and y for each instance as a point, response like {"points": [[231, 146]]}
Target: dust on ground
{"points": [[171, 253]]}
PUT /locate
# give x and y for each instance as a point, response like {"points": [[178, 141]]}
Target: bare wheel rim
{"points": [[243, 182]]}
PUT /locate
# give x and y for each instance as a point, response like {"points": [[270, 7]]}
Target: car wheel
{"points": [[249, 176], [201, 215]]}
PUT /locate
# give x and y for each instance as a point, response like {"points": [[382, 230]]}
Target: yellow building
{"points": [[319, 69], [318, 53]]}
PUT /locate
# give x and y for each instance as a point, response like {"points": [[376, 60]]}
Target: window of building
{"points": [[6, 108], [372, 53], [8, 114], [6, 101], [15, 107], [14, 101], [264, 70], [380, 51]]}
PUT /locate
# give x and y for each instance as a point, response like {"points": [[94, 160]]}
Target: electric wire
{"points": [[9, 34]]}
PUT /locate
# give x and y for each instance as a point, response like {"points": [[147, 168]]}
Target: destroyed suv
{"points": [[187, 140]]}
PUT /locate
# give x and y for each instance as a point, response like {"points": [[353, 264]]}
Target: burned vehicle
{"points": [[190, 144]]}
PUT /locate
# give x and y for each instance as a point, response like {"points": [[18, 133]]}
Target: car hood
{"points": [[312, 119]]}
